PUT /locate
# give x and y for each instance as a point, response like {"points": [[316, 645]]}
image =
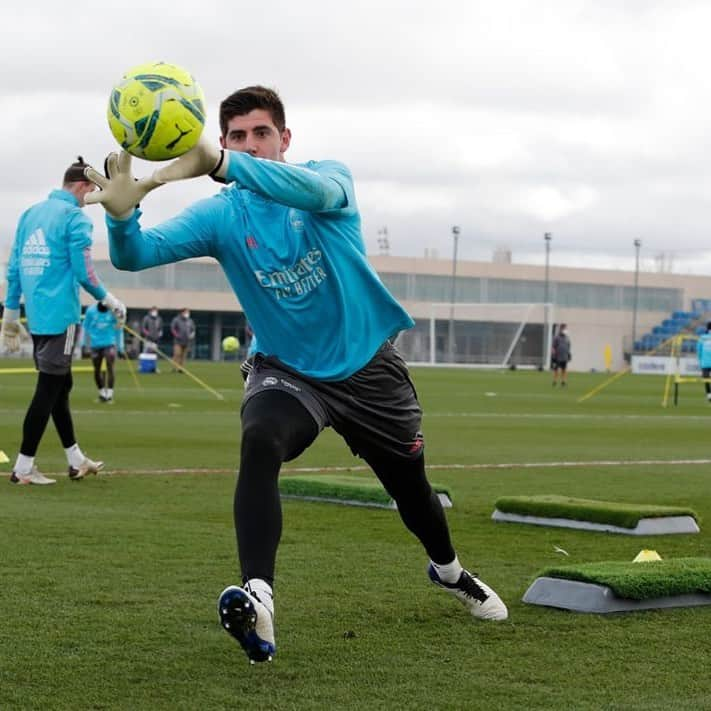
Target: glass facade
{"points": [[191, 276], [438, 288], [475, 341]]}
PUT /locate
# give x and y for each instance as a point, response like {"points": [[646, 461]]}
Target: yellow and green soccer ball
{"points": [[157, 111], [230, 344]]}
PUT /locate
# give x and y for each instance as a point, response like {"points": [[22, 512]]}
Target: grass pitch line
{"points": [[521, 465], [438, 467], [25, 371], [565, 416]]}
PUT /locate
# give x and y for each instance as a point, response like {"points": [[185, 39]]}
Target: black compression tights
{"points": [[275, 428], [418, 505], [51, 398]]}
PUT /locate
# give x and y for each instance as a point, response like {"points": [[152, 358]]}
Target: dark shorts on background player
{"points": [[562, 364], [107, 352], [375, 410], [53, 354]]}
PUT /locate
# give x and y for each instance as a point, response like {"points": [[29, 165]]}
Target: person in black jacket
{"points": [[561, 356]]}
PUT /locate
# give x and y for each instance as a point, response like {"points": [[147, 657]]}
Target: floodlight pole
{"points": [[455, 236], [383, 242], [548, 236], [637, 244]]}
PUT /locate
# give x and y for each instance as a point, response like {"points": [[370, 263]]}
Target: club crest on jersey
{"points": [[297, 224], [251, 242]]}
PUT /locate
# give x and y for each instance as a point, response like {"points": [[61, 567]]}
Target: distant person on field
{"points": [[151, 330], [290, 242], [49, 261], [703, 352], [104, 335], [561, 356], [183, 329]]}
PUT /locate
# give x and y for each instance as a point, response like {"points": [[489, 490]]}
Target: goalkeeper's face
{"points": [[256, 134]]}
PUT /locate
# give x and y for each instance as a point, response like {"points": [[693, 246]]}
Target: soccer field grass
{"points": [[109, 585]]}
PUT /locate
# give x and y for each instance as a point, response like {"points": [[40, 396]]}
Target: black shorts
{"points": [[375, 410], [562, 364], [108, 352], [53, 354]]}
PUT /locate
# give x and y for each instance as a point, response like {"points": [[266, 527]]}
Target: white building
{"points": [[597, 305]]}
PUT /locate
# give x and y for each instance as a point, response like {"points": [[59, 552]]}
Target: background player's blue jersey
{"points": [[289, 240], [50, 258], [703, 350], [101, 329]]}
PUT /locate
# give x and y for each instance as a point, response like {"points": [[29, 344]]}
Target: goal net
{"points": [[483, 335]]}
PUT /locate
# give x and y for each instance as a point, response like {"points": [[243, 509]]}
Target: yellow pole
{"points": [[176, 365], [667, 383], [132, 370], [609, 381], [625, 370]]}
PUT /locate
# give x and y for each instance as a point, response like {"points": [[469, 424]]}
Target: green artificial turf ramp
{"points": [[343, 488], [642, 581], [603, 512]]}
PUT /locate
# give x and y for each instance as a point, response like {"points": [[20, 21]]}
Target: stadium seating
{"points": [[679, 322]]}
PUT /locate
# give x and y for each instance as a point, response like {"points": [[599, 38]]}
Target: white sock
{"points": [[110, 393], [74, 456], [23, 464], [262, 590], [449, 572]]}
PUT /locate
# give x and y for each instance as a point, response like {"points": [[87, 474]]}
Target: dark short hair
{"points": [[75, 172], [248, 99], [708, 326]]}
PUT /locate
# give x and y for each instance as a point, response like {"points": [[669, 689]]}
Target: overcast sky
{"points": [[588, 119]]}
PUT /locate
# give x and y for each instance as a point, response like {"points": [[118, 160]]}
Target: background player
{"points": [[49, 260], [104, 335]]}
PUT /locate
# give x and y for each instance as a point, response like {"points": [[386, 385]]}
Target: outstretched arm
{"points": [[290, 185], [189, 234], [131, 248]]}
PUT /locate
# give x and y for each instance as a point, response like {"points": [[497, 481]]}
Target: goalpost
{"points": [[480, 335]]}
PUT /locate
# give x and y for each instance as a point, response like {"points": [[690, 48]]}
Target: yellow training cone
{"points": [[645, 555], [3, 457]]}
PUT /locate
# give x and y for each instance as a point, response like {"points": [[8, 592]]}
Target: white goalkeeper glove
{"points": [[120, 192], [12, 331], [117, 308], [203, 159]]}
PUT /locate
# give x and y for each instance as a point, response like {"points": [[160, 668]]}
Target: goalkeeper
{"points": [[50, 258], [289, 240]]}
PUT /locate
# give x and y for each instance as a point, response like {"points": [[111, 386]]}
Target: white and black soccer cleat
{"points": [[245, 618], [482, 602]]}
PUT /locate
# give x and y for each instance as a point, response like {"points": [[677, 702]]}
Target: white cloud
{"points": [[587, 118], [549, 203]]}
